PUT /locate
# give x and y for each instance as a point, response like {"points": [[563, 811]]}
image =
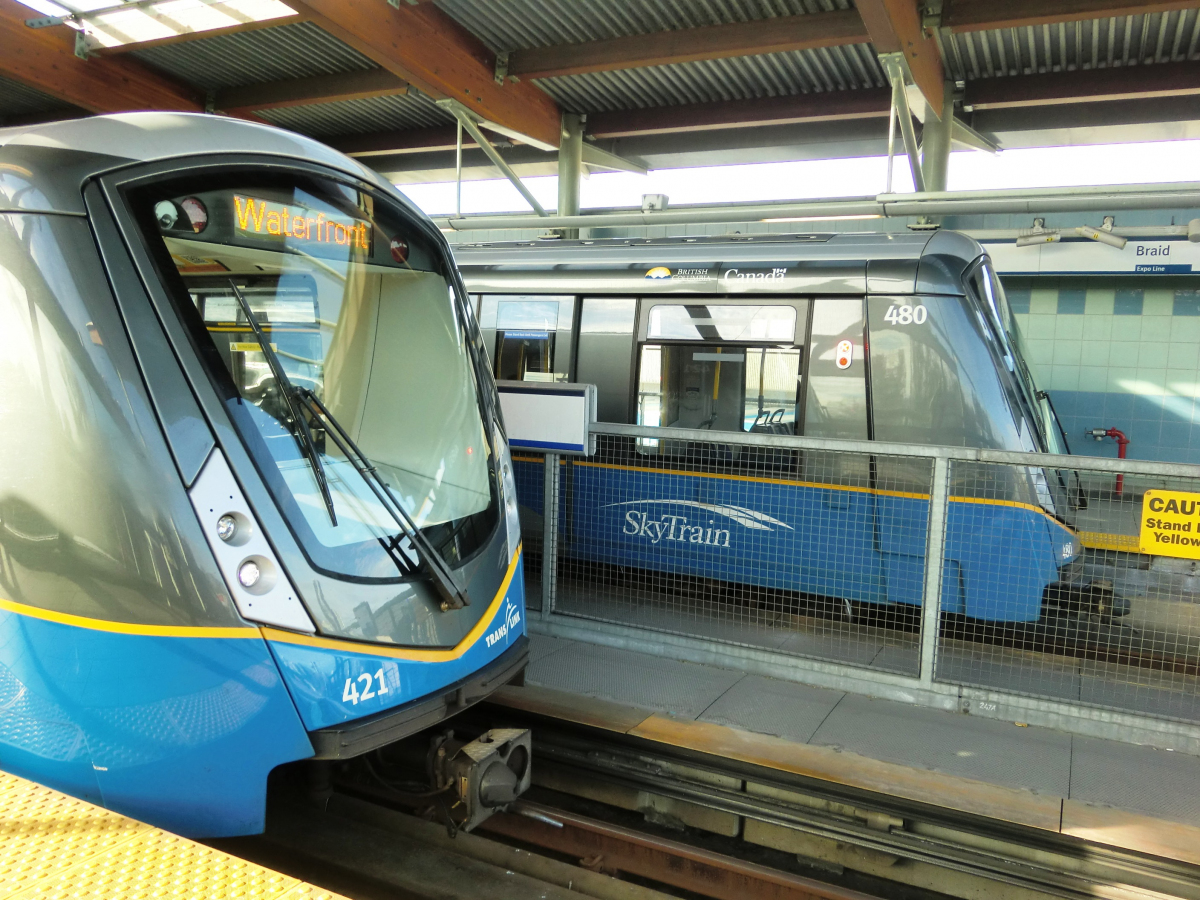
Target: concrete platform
{"points": [[1128, 796]]}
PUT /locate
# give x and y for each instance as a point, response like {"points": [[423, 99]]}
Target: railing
{"points": [[935, 575]]}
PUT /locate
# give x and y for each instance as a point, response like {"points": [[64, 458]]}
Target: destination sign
{"points": [[1171, 524], [268, 219]]}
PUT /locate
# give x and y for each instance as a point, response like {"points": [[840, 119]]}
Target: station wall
{"points": [[1118, 352]]}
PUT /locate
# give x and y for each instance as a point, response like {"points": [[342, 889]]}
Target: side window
{"points": [[836, 406], [936, 382], [528, 337]]}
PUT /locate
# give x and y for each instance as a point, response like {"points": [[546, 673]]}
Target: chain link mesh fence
{"points": [[1032, 607], [809, 553]]}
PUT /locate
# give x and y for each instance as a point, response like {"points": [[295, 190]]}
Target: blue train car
{"points": [[256, 501], [905, 338]]}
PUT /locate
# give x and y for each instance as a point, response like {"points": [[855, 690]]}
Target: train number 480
{"points": [[351, 693], [906, 315]]}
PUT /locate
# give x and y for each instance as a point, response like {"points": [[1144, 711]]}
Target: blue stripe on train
{"points": [[179, 732], [840, 543]]}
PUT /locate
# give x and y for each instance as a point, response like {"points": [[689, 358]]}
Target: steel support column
{"points": [[570, 169], [935, 150]]}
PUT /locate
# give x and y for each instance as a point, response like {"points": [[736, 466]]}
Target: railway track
{"points": [[617, 818]]}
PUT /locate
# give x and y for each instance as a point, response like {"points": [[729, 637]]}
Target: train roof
{"points": [[43, 167], [740, 248]]}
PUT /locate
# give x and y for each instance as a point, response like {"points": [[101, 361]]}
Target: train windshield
{"points": [[360, 316]]}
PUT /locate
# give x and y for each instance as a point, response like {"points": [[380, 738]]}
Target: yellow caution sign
{"points": [[1171, 524]]}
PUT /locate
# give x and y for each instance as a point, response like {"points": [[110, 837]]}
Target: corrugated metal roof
{"points": [[521, 24], [738, 78], [251, 57], [1067, 46], [360, 116], [17, 99]]}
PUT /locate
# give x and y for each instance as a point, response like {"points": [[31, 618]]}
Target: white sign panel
{"points": [[550, 418], [1068, 257]]}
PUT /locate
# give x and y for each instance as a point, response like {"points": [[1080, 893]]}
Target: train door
{"points": [[714, 366], [840, 529]]}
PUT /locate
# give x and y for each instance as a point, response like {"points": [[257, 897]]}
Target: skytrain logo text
{"points": [[645, 524]]}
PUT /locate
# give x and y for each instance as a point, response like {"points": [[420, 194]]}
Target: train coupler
{"points": [[482, 776], [1092, 597]]}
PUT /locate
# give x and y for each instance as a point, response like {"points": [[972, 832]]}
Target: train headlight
{"points": [[227, 528], [508, 491], [249, 574]]}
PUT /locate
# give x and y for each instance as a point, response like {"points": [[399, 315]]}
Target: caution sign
{"points": [[1171, 524]]}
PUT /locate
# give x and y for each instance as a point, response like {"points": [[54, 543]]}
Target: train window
{"points": [[357, 314], [706, 322], [719, 388], [531, 336], [937, 383], [836, 406]]}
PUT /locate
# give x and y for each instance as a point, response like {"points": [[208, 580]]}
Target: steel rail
{"points": [[659, 859], [1048, 864]]}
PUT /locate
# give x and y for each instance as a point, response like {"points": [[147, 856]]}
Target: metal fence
{"points": [[815, 560]]}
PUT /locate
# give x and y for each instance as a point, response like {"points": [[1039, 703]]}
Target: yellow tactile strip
{"points": [[53, 846]]}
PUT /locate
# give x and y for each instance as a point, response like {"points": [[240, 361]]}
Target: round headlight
{"points": [[226, 528], [249, 573]]}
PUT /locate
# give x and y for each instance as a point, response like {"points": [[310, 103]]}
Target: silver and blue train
{"points": [[904, 338], [256, 501]]}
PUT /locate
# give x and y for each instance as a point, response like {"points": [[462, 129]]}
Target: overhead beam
{"points": [[426, 47], [660, 48], [239, 28], [307, 91], [44, 58], [988, 15], [895, 27], [1089, 86]]}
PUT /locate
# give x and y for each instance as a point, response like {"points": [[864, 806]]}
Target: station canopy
{"points": [[658, 83]]}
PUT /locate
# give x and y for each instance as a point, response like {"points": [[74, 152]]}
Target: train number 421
{"points": [[906, 315], [351, 693]]}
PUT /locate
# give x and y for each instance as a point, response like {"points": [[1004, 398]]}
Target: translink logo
{"points": [[512, 618]]}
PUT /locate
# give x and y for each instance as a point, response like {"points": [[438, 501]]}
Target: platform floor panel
{"points": [[1036, 776], [54, 846]]}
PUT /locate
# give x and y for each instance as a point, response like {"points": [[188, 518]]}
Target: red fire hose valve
{"points": [[1122, 442]]}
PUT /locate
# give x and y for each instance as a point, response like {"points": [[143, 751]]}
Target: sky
{"points": [[1160, 161]]}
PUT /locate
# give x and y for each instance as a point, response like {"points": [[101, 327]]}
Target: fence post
{"points": [[550, 488], [931, 603]]}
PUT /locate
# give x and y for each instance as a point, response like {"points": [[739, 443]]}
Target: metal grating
{"points": [[1114, 629], [767, 548], [1069, 46], [250, 57], [521, 24], [359, 116], [17, 99]]}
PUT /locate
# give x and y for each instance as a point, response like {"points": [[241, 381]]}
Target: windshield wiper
{"points": [[453, 596], [300, 430]]}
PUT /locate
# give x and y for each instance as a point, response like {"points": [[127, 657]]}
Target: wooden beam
{"points": [[987, 15], [239, 28], [773, 35], [823, 107], [895, 27], [44, 58], [307, 91], [429, 49], [1090, 86]]}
